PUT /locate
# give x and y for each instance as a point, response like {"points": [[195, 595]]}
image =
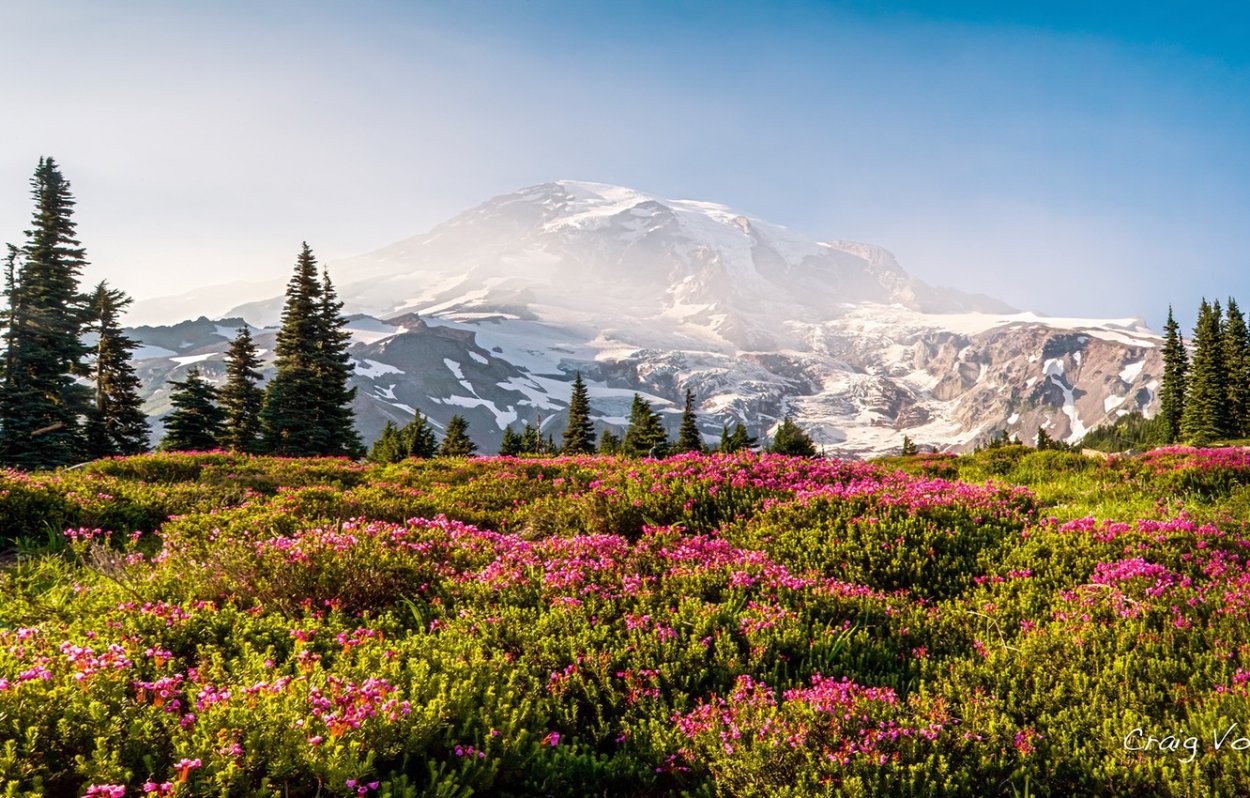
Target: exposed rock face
{"points": [[490, 314]]}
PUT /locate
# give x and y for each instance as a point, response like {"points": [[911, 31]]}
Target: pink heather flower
{"points": [[152, 788], [105, 791], [552, 739]]}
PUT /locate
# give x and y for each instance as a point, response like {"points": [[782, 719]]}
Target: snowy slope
{"points": [[491, 313]]}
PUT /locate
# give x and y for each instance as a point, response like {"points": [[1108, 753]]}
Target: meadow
{"points": [[1006, 623]]}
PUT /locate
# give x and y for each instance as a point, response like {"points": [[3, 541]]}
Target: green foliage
{"points": [[792, 441], [195, 423], [579, 435], [734, 625], [456, 441], [41, 402], [1235, 340], [609, 442], [415, 439], [645, 436], [909, 447], [1206, 416], [307, 409], [688, 437], [1175, 380], [242, 397], [1129, 431], [736, 441], [116, 424]]}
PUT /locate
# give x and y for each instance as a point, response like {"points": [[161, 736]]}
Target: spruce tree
{"points": [[456, 442], [116, 424], [1044, 441], [1175, 378], [791, 440], [1206, 400], [532, 440], [195, 424], [579, 436], [242, 397], [511, 444], [307, 408], [387, 448], [334, 369], [645, 436], [1237, 365], [736, 441], [688, 437], [41, 403], [609, 442], [909, 447]]}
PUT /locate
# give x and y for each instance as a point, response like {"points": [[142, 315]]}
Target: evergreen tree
{"points": [[307, 409], [533, 442], [456, 442], [736, 441], [334, 369], [791, 440], [41, 403], [195, 424], [909, 447], [645, 435], [512, 442], [688, 437], [609, 442], [418, 439], [579, 436], [242, 397], [387, 448], [116, 424], [1175, 379], [1206, 400], [1044, 441], [414, 439], [1237, 364]]}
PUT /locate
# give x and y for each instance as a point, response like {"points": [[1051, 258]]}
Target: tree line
{"points": [[1204, 394], [645, 435], [69, 392]]}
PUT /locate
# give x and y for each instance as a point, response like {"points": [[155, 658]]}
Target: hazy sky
{"points": [[1078, 158]]}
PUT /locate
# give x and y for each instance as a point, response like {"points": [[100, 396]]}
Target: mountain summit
{"points": [[490, 314]]}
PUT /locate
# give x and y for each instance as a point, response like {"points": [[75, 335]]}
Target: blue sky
{"points": [[1073, 158]]}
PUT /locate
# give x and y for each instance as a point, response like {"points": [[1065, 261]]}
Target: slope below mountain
{"points": [[491, 313]]}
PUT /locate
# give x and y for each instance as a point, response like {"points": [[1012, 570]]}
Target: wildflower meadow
{"points": [[1006, 623]]}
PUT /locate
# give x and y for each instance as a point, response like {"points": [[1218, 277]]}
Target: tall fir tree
{"points": [[645, 436], [307, 407], [41, 402], [909, 447], [242, 397], [1175, 380], [791, 440], [579, 436], [456, 442], [1237, 365], [195, 424], [335, 368], [1206, 399], [116, 423], [688, 437]]}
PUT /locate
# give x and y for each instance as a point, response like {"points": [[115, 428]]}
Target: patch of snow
{"points": [[374, 369], [1013, 418], [502, 417], [1053, 367], [385, 392], [186, 360], [1131, 371], [479, 358], [454, 368], [1109, 403]]}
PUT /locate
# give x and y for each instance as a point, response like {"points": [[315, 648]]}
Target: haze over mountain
{"points": [[491, 313]]}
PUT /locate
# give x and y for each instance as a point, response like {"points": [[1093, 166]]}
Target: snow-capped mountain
{"points": [[491, 313]]}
